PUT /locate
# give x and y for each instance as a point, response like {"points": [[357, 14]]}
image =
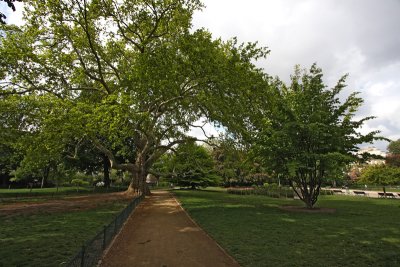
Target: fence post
{"points": [[83, 256]]}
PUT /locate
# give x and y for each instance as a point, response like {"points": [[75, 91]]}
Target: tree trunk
{"points": [[139, 175], [307, 195], [106, 171], [45, 175]]}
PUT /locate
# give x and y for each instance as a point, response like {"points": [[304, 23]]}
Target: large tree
{"points": [[310, 133], [381, 175], [125, 75], [394, 147], [393, 157], [192, 166]]}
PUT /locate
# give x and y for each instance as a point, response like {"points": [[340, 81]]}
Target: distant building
{"points": [[355, 168], [373, 151]]}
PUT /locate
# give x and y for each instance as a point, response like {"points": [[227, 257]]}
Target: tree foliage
{"points": [[310, 133], [394, 147], [393, 160], [235, 163], [130, 77], [192, 166], [380, 175]]}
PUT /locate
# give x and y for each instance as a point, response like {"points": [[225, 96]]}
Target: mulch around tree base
{"points": [[160, 233]]}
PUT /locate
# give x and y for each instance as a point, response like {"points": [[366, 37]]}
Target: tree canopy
{"points": [[310, 133], [130, 77], [394, 147], [380, 175], [192, 166]]}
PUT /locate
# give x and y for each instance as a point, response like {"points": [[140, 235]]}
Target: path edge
{"points": [[196, 224], [116, 236]]}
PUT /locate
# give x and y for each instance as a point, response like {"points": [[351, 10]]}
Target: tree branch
{"points": [[113, 162]]}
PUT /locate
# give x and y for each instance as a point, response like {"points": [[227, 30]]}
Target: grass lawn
{"points": [[45, 239], [362, 231]]}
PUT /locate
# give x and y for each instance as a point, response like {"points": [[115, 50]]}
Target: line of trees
{"points": [[126, 80]]}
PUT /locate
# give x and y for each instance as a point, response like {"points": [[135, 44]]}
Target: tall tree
{"points": [[192, 166], [310, 132], [126, 74], [393, 157], [394, 147], [381, 175]]}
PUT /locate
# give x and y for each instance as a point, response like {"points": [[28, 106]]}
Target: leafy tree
{"points": [[393, 158], [394, 147], [192, 166], [127, 76], [380, 175], [310, 133], [235, 163], [229, 161]]}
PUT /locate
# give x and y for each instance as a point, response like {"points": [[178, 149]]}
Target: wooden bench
{"points": [[381, 194], [359, 193], [337, 191]]}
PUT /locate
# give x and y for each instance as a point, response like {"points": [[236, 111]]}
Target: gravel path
{"points": [[160, 233]]}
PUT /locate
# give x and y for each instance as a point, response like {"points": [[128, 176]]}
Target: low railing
{"points": [[92, 251]]}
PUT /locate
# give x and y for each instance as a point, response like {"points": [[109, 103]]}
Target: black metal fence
{"points": [[91, 252]]}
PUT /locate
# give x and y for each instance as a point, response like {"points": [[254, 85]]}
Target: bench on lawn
{"points": [[359, 193], [381, 194], [337, 191]]}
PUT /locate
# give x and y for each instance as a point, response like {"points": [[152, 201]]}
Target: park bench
{"points": [[381, 194], [337, 191], [359, 193]]}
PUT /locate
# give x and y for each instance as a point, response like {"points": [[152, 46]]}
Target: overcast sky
{"points": [[359, 37]]}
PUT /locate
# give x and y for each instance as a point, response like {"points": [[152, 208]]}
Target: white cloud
{"points": [[359, 37], [12, 17]]}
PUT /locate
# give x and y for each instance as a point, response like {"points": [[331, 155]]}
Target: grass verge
{"points": [[255, 231], [51, 239]]}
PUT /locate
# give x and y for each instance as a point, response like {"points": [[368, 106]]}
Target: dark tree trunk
{"points": [[106, 171], [308, 192], [138, 183]]}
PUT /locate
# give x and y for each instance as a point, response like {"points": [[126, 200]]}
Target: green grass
{"points": [[51, 239], [362, 231]]}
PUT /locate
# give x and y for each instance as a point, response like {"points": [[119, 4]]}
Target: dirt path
{"points": [[161, 234], [65, 204]]}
